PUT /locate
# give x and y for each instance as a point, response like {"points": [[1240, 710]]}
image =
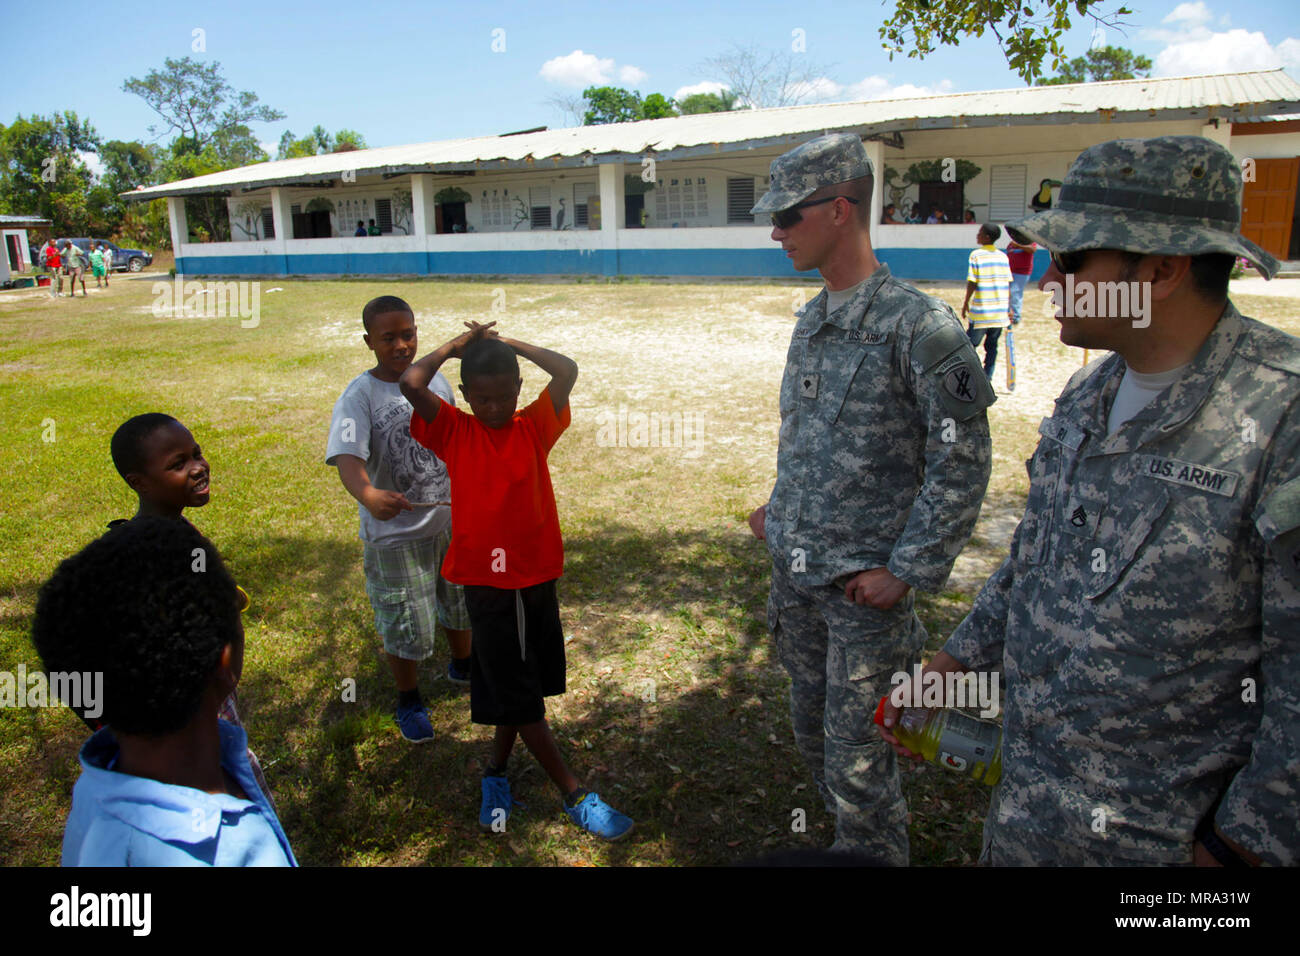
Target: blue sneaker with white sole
{"points": [[497, 803], [596, 816], [414, 724]]}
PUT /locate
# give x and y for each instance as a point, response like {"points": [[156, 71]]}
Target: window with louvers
{"points": [[268, 223], [539, 203], [1006, 193], [740, 200], [384, 215]]}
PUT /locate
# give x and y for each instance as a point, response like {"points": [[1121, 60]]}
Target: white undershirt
{"points": [[836, 299], [1136, 391]]}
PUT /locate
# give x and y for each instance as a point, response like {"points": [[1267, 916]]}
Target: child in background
{"points": [[75, 262], [402, 492], [97, 265], [167, 783], [1020, 256], [161, 462], [507, 551], [988, 281], [51, 259]]}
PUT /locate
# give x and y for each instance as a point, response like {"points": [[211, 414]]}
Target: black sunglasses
{"points": [[1067, 262], [788, 217]]}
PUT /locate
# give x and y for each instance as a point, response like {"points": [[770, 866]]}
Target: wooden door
{"points": [[1269, 203]]}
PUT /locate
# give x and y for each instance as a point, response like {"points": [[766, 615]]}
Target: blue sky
{"points": [[412, 72]]}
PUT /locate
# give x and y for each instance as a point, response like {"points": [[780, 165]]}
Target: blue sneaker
{"points": [[414, 724], [596, 816], [456, 675], [497, 803]]}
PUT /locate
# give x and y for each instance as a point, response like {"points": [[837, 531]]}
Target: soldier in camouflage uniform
{"points": [[883, 460], [1148, 617]]}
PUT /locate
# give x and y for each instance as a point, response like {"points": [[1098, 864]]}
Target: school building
{"points": [[671, 197]]}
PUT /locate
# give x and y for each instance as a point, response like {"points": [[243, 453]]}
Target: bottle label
{"points": [[966, 741]]}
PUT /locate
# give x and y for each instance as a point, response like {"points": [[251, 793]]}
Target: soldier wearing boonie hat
{"points": [[1147, 617], [882, 464]]}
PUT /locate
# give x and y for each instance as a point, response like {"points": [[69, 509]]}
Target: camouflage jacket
{"points": [[884, 451], [1148, 617]]}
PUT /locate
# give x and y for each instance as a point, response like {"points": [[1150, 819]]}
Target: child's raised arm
{"points": [[414, 382], [562, 369]]}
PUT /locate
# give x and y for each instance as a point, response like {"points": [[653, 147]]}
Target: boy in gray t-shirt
{"points": [[403, 493]]}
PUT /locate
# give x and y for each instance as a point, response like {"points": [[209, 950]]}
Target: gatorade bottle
{"points": [[950, 739]]}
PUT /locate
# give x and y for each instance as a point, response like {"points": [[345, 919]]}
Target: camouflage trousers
{"points": [[840, 657]]}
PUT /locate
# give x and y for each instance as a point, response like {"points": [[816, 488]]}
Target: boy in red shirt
{"points": [[506, 551]]}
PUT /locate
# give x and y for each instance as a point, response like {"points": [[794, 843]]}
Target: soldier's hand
{"points": [[758, 522], [890, 717], [876, 588]]}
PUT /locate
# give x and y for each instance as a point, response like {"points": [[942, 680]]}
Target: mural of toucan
{"points": [[1043, 198]]}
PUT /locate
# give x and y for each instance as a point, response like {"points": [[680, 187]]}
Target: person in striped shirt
{"points": [[988, 285]]}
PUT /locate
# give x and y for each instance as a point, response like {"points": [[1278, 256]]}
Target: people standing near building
{"points": [[1020, 257], [74, 260], [97, 264], [1147, 620], [361, 228], [883, 460], [988, 283], [373, 230], [51, 259]]}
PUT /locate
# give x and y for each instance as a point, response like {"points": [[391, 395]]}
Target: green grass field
{"points": [[676, 710]]}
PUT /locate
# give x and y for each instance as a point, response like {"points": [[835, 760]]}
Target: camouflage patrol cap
{"points": [[1170, 195], [824, 161]]}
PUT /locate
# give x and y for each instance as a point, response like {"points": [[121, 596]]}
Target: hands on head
{"points": [[477, 330]]}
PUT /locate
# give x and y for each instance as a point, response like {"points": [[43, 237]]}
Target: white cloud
{"points": [[580, 69], [93, 162], [577, 69], [708, 86], [1236, 50], [1192, 14], [879, 88], [820, 89], [631, 75], [1289, 51]]}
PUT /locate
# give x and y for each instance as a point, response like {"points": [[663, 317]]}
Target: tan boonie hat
{"points": [[1169, 195], [824, 161]]}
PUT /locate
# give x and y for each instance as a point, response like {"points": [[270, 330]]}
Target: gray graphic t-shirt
{"points": [[372, 420]]}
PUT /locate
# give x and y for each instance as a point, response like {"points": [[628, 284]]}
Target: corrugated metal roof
{"points": [[23, 221], [1231, 96]]}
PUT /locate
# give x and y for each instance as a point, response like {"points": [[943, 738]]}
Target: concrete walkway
{"points": [[1256, 285]]}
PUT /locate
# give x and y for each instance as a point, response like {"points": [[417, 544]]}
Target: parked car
{"points": [[123, 259]]}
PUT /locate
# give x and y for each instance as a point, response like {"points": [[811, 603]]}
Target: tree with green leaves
{"points": [[196, 102], [319, 142], [658, 106], [210, 119], [722, 102], [1028, 31], [1102, 63], [42, 172], [610, 104], [613, 104]]}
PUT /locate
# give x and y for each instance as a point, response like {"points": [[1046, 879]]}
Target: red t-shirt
{"points": [[52, 259], [505, 531], [1021, 260]]}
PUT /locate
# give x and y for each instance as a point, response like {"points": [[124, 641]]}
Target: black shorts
{"points": [[508, 675]]}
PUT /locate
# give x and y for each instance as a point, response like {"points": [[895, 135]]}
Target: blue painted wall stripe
{"points": [[903, 262]]}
